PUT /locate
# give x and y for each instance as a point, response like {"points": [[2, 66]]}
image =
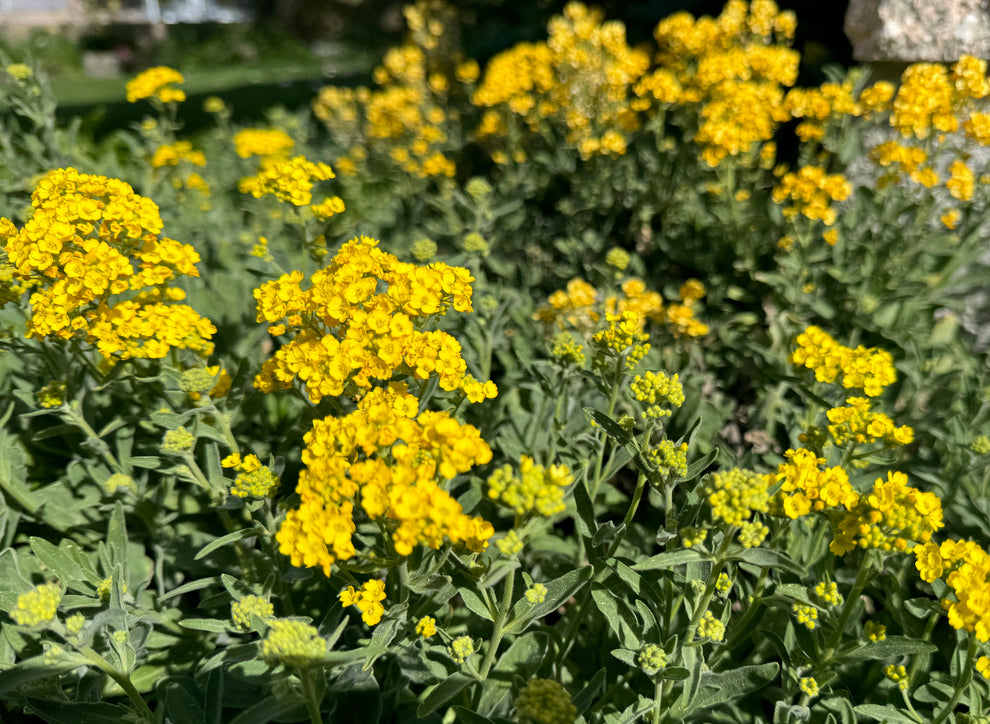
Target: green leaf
{"points": [[885, 714], [181, 706], [620, 619], [196, 585], [37, 667], [476, 604], [56, 560], [225, 540], [117, 535], [699, 466], [148, 462], [58, 712], [613, 429], [212, 625], [766, 558], [558, 591], [285, 708], [725, 686], [586, 509], [626, 656], [442, 693], [469, 717], [891, 647], [521, 660], [631, 713], [669, 560], [584, 698]]}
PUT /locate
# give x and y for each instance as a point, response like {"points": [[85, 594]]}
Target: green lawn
{"points": [[77, 89]]}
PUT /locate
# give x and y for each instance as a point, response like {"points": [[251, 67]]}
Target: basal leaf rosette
{"points": [[388, 463], [93, 252], [362, 319]]}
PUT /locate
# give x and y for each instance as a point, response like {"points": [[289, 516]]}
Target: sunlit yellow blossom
{"points": [[262, 142], [868, 369], [368, 600], [156, 83]]}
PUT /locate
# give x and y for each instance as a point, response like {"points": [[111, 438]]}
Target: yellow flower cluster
{"points": [[293, 643], [905, 160], [622, 339], [347, 332], [965, 567], [580, 80], [368, 600], [806, 615], [829, 594], [582, 306], [79, 250], [734, 67], [537, 489], [668, 460], [287, 179], [856, 423], [426, 627], [545, 701], [810, 192], [892, 516], [711, 627], [242, 610], [961, 180], [806, 487], [38, 605], [736, 494], [815, 106], [386, 459], [156, 84], [868, 369], [171, 154], [262, 142], [404, 124], [657, 389], [254, 480]]}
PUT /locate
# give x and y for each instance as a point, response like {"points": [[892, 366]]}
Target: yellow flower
{"points": [[426, 627], [368, 600], [38, 605], [292, 643], [156, 83]]}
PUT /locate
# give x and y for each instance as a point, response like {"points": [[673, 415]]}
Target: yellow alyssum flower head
{"points": [[736, 494], [983, 667], [293, 643], [157, 84], [368, 600], [37, 606], [897, 674], [461, 648], [656, 390], [90, 239], [287, 179], [809, 686], [537, 489], [536, 593], [545, 701], [829, 594], [807, 615], [711, 627], [869, 369], [651, 658], [262, 142], [74, 623], [241, 611], [980, 445], [692, 536], [723, 584], [893, 516], [178, 441], [873, 631], [51, 395], [426, 627], [19, 71]]}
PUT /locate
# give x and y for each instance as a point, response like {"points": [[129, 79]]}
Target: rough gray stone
{"points": [[908, 31]]}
